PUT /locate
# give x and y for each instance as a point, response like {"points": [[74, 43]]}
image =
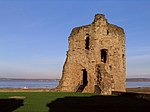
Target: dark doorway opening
{"points": [[81, 87], [85, 77], [87, 43], [104, 55]]}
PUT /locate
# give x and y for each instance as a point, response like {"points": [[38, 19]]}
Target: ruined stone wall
{"points": [[103, 76]]}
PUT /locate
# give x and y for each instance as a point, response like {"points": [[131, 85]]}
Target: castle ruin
{"points": [[96, 59]]}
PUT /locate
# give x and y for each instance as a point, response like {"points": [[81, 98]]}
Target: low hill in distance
{"points": [[138, 80], [41, 80], [49, 80]]}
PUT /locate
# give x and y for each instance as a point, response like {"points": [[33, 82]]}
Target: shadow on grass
{"points": [[9, 105], [99, 104]]}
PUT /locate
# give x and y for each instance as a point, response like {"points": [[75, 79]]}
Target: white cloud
{"points": [[138, 49], [139, 58], [33, 68], [138, 66]]}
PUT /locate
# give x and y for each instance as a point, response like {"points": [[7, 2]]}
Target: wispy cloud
{"points": [[138, 51], [35, 67], [138, 66], [139, 58]]}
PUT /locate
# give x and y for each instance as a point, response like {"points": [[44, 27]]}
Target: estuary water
{"points": [[52, 84], [27, 84], [137, 84]]}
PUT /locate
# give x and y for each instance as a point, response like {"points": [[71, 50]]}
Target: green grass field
{"points": [[70, 102], [37, 101]]}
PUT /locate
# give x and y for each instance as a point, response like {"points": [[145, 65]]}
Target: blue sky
{"points": [[34, 34]]}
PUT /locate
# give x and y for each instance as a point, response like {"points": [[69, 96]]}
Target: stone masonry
{"points": [[96, 59]]}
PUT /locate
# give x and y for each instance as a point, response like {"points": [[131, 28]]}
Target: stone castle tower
{"points": [[96, 59]]}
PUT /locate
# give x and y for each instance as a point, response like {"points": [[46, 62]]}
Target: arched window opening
{"points": [[87, 43], [103, 55]]}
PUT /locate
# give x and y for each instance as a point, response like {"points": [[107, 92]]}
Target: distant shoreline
{"points": [[26, 90], [135, 90]]}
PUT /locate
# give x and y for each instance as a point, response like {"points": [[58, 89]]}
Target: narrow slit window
{"points": [[103, 55], [107, 32], [87, 43], [123, 55]]}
